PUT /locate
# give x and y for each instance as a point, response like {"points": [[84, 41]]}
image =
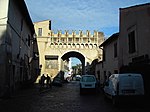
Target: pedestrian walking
{"points": [[42, 80], [48, 81]]}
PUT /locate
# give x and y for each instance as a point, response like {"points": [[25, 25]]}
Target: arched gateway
{"points": [[76, 54], [56, 48]]}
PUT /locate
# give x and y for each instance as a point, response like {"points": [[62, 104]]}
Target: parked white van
{"points": [[121, 86]]}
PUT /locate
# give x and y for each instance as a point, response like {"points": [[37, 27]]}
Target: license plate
{"points": [[128, 92], [88, 85]]}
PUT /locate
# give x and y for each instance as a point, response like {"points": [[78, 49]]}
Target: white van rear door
{"points": [[131, 85], [126, 85]]}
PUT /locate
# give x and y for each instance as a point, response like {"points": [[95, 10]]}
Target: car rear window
{"points": [[88, 79], [131, 81]]}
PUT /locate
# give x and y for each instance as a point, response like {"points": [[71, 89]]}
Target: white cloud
{"points": [[79, 14]]}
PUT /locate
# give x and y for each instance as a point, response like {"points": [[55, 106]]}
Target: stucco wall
{"points": [[14, 49], [137, 19], [111, 62], [58, 43], [44, 25]]}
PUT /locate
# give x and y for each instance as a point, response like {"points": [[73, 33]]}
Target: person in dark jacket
{"points": [[42, 80], [48, 81]]}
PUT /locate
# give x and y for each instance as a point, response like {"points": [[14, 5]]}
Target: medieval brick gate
{"points": [[55, 48]]}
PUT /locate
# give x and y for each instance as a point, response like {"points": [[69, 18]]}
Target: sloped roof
{"points": [[23, 8], [110, 39], [136, 6]]}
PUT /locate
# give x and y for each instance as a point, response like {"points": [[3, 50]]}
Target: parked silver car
{"points": [[88, 83]]}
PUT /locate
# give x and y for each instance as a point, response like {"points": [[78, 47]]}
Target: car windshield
{"points": [[88, 79]]}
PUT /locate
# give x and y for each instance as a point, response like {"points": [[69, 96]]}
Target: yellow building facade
{"points": [[56, 47]]}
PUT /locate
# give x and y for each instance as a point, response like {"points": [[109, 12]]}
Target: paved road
{"points": [[63, 99]]}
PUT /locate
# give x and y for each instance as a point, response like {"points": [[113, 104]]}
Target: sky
{"points": [[75, 61], [99, 15]]}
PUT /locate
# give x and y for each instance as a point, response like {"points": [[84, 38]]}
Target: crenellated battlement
{"points": [[75, 37], [73, 33]]}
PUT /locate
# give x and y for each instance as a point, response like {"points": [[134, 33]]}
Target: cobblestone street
{"points": [[62, 99]]}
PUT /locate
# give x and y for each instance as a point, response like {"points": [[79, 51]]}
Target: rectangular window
{"points": [[105, 76], [51, 62], [104, 56], [55, 39], [85, 40], [29, 40], [40, 32], [77, 39], [49, 25], [131, 41], [21, 24], [70, 39], [115, 50]]}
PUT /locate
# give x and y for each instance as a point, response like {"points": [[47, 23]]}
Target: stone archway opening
{"points": [[75, 54]]}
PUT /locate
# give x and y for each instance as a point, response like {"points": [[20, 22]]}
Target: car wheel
{"points": [[115, 101], [106, 97], [81, 91], [68, 79]]}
